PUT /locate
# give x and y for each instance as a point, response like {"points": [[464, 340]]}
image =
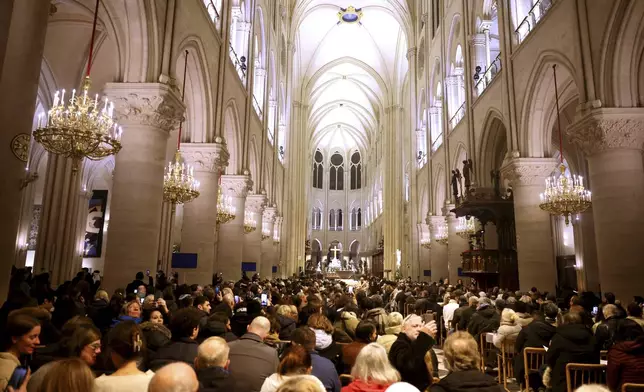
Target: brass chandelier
{"points": [[266, 232], [564, 195], [443, 234], [250, 223], [179, 183], [225, 208], [466, 227], [82, 127]]}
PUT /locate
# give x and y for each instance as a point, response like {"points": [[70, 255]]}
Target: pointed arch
{"points": [[233, 136]]}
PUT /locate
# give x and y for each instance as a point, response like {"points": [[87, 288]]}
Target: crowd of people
{"points": [[302, 334]]}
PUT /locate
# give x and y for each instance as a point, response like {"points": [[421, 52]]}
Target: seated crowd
{"points": [[303, 334]]}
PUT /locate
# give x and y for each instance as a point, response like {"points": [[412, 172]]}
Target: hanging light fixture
{"points": [[276, 235], [179, 184], [466, 227], [266, 232], [250, 223], [82, 127], [425, 243], [443, 234], [225, 208], [564, 195]]}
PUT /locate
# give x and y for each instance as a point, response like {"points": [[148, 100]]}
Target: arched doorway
{"points": [[355, 263]]}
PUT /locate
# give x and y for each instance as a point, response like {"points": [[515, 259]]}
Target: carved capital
{"points": [[478, 39], [255, 203], [151, 104], [260, 72], [528, 171], [607, 129], [235, 185], [434, 222], [207, 157], [269, 214]]}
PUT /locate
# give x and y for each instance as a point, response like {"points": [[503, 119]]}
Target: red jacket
{"points": [[625, 364], [362, 386]]}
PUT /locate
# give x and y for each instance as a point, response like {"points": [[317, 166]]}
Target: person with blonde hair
{"points": [[287, 319], [69, 375], [300, 384], [508, 330], [372, 370], [462, 361]]}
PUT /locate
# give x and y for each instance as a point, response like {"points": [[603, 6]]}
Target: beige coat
{"points": [[8, 363]]}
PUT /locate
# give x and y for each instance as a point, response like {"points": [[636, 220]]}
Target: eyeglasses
{"points": [[94, 346]]}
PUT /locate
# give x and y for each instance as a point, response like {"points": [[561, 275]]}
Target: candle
{"points": [[56, 99], [73, 95], [62, 98]]}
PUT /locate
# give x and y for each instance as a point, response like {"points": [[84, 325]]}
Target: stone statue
{"points": [[459, 177], [467, 173], [454, 185], [495, 175]]}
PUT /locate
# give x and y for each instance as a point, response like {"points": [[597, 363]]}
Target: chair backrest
{"points": [[409, 309], [533, 359], [505, 359], [485, 347], [578, 374], [630, 387], [428, 316]]}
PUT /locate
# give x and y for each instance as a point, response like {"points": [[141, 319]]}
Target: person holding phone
{"points": [[22, 335], [407, 354]]}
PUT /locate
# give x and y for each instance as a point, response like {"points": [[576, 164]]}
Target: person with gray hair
{"points": [[212, 366], [372, 370], [407, 354], [462, 361], [251, 361], [175, 377]]}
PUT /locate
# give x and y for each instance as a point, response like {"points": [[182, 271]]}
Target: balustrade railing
{"points": [[488, 76], [536, 13], [213, 12], [457, 117], [239, 63]]}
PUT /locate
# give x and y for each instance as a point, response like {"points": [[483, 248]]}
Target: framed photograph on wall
{"points": [[95, 222]]}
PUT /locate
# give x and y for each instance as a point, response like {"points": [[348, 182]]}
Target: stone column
{"points": [[438, 252], [253, 240], [456, 246], [59, 247], [424, 253], [537, 267], [230, 239], [279, 251], [268, 249], [164, 255], [586, 252], [612, 141], [147, 112], [199, 228], [22, 41]]}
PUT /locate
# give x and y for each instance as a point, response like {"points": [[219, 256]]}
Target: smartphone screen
{"points": [[595, 310], [264, 299], [217, 289], [236, 299], [351, 289], [141, 300]]}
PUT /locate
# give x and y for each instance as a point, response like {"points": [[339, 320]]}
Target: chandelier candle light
{"points": [[466, 227], [225, 208], [266, 233], [250, 223], [82, 127], [179, 184], [443, 234], [564, 195]]}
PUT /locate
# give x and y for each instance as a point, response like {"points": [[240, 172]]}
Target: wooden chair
{"points": [[505, 359], [346, 379], [486, 348], [578, 374], [533, 359], [603, 355], [630, 387], [409, 309]]}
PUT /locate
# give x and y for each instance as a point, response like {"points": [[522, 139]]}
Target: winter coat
{"points": [[333, 353], [325, 371], [287, 326], [379, 317], [101, 314], [537, 334], [364, 386], [605, 332], [572, 343], [483, 320], [156, 336], [464, 316], [625, 364], [524, 319], [391, 334], [182, 350], [465, 381], [409, 359], [506, 333], [215, 379], [349, 354], [251, 362], [347, 322], [8, 363], [216, 328], [322, 339]]}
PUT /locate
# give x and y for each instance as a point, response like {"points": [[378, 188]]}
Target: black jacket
{"points": [[182, 350], [101, 314], [537, 334], [484, 320], [409, 359], [215, 379], [156, 336], [465, 317], [469, 380], [216, 328], [605, 332], [571, 343], [287, 326]]}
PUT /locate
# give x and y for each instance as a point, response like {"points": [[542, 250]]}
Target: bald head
{"points": [[175, 377], [213, 352], [260, 326]]}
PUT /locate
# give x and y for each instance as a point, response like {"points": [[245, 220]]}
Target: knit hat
{"points": [[508, 317]]}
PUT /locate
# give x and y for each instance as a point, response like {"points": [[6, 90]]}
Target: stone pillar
{"points": [[456, 246], [230, 239], [424, 253], [279, 251], [535, 249], [259, 86], [147, 112], [586, 252], [253, 240], [438, 252], [612, 141], [59, 247], [199, 228], [268, 249], [164, 255], [22, 40]]}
